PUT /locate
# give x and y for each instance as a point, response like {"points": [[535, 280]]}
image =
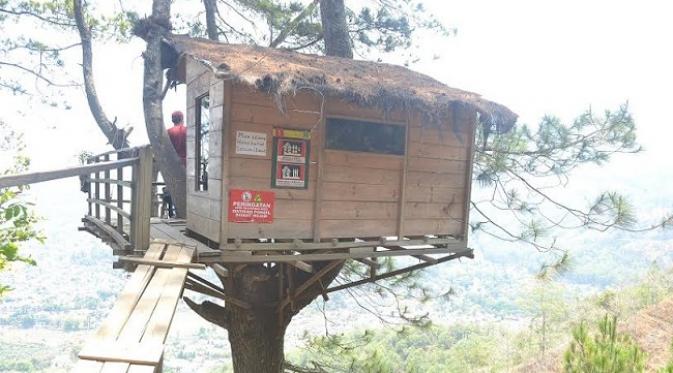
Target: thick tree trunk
{"points": [[335, 28], [116, 137], [257, 340], [262, 302], [211, 25], [167, 159]]}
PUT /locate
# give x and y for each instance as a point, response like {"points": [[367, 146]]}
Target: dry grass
{"points": [[281, 72]]}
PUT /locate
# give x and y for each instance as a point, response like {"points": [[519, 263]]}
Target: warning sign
{"points": [[290, 158], [251, 206]]}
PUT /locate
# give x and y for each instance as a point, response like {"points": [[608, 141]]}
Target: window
{"points": [[202, 137], [361, 136]]}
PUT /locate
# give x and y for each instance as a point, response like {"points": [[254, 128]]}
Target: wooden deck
{"points": [[132, 338], [173, 230]]}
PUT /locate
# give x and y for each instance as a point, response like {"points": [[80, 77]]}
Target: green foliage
{"points": [[432, 349], [16, 220], [385, 26], [605, 351], [523, 165]]}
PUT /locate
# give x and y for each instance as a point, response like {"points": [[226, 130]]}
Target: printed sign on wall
{"points": [[251, 143], [251, 206], [291, 150]]}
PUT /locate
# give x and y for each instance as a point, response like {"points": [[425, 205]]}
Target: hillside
{"points": [[652, 329]]}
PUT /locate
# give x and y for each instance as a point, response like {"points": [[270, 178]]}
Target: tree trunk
{"points": [[116, 137], [335, 28], [257, 340], [211, 25], [167, 159], [262, 302]]}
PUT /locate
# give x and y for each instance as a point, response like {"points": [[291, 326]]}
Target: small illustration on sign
{"points": [[251, 143], [290, 158], [251, 206]]}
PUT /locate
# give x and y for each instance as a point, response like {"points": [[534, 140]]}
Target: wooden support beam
{"points": [[111, 232], [323, 256], [161, 263], [305, 246], [201, 289], [39, 177], [96, 189], [220, 270], [120, 201], [141, 207], [403, 180], [369, 262], [317, 198], [303, 266], [118, 182], [468, 253], [227, 298], [120, 211], [107, 192], [308, 283], [468, 170], [422, 257]]}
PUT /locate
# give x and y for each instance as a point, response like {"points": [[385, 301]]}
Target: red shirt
{"points": [[178, 135]]}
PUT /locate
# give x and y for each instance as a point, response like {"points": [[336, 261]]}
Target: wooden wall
{"points": [[356, 194], [204, 209]]}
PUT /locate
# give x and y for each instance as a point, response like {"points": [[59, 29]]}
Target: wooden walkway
{"points": [[173, 230], [132, 338]]}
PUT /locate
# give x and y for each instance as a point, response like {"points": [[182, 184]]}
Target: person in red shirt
{"points": [[178, 135]]}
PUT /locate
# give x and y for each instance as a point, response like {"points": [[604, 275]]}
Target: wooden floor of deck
{"points": [[173, 230]]}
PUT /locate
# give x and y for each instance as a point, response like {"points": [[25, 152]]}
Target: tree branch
{"points": [[38, 75], [210, 311], [292, 25], [35, 15], [115, 136]]}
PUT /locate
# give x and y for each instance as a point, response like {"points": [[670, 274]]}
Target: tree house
{"points": [[328, 158]]}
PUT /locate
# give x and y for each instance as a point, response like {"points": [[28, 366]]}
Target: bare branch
{"points": [[53, 21], [292, 25], [38, 75]]}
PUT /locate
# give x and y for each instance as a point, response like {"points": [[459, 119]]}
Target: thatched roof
{"points": [[280, 72]]}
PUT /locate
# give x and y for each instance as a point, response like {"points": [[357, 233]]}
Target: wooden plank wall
{"points": [[255, 112], [437, 177], [360, 193], [204, 209]]}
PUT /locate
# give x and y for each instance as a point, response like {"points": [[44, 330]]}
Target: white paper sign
{"points": [[251, 143]]}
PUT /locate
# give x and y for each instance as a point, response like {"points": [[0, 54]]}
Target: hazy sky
{"points": [[536, 57]]}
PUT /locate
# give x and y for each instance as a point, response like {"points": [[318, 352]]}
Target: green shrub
{"points": [[604, 352]]}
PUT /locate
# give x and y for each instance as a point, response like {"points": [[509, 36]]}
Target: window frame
{"points": [[197, 142], [405, 130]]}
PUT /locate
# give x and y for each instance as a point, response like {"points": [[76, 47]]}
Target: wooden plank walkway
{"points": [[132, 338], [173, 231]]}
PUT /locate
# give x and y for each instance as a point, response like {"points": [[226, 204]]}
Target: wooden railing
{"points": [[119, 198], [118, 186]]}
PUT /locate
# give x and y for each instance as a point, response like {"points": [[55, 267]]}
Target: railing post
{"points": [[141, 200], [97, 190], [107, 191], [120, 199]]}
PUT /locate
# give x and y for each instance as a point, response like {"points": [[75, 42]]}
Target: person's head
{"points": [[177, 117]]}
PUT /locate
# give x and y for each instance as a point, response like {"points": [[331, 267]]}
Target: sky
{"points": [[536, 57]]}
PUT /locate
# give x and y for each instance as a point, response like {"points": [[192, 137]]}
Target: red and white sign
{"points": [[251, 206]]}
